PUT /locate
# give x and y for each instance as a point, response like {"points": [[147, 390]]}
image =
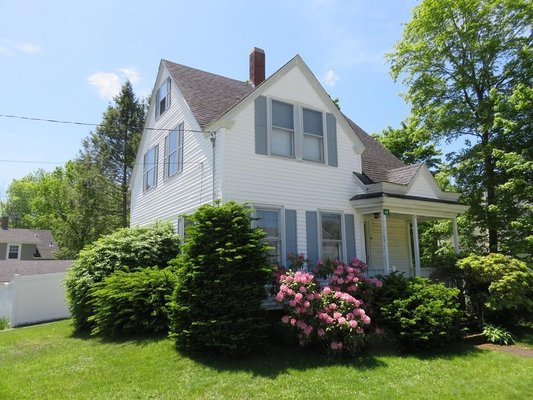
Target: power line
{"points": [[58, 121]]}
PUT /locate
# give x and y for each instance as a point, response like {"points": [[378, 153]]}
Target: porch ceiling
{"points": [[408, 205]]}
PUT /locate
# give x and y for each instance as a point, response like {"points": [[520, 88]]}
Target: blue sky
{"points": [[66, 59]]}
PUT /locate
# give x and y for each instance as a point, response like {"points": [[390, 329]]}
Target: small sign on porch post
{"points": [[386, 211]]}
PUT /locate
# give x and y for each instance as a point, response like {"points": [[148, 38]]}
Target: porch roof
{"points": [[396, 203]]}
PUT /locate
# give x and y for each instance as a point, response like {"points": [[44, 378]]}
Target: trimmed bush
{"points": [[133, 302], [128, 249], [421, 314], [221, 283]]}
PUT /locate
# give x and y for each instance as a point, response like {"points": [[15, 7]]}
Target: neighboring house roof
{"points": [[9, 268], [42, 238], [208, 95]]}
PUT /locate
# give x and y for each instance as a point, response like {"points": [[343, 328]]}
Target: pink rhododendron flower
{"points": [[366, 320], [321, 332], [299, 296], [339, 345], [326, 290], [285, 319], [353, 323], [307, 304], [359, 331], [292, 303], [289, 279], [279, 297], [342, 320], [333, 345], [349, 316], [303, 289], [293, 321], [333, 306], [337, 315]]}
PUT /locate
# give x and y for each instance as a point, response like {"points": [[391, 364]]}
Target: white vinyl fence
{"points": [[30, 299]]}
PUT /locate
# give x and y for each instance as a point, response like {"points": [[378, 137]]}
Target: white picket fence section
{"points": [[31, 299]]}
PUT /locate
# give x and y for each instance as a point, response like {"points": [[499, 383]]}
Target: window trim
{"points": [[343, 233], [19, 251], [298, 134], [281, 223], [154, 168], [180, 139], [271, 126]]}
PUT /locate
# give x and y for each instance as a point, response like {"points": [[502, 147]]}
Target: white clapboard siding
{"points": [[423, 185], [181, 193]]}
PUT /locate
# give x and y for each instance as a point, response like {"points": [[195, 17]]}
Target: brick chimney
{"points": [[5, 222], [257, 66]]}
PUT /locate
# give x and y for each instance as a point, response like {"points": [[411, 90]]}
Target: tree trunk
{"points": [[490, 187]]}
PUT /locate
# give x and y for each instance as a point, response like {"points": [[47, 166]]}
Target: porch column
{"points": [[455, 236], [416, 245], [385, 243]]}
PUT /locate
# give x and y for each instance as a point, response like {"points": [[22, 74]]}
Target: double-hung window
{"points": [[331, 226], [313, 136], [162, 98], [269, 220], [13, 252], [174, 152], [150, 168], [282, 138]]}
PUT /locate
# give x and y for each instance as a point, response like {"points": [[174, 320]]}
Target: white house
{"points": [[318, 183]]}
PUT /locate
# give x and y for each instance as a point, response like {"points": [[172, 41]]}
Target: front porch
{"points": [[391, 230]]}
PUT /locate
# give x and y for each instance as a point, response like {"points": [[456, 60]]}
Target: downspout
{"points": [[213, 138]]}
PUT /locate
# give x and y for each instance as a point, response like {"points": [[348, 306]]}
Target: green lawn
{"points": [[47, 362]]}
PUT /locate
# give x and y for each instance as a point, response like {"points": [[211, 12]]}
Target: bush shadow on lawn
{"points": [[277, 360]]}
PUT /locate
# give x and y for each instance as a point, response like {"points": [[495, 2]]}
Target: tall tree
{"points": [[460, 59], [71, 201], [113, 146]]}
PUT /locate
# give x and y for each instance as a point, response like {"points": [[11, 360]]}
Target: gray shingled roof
{"points": [[208, 95], [9, 268], [42, 238]]}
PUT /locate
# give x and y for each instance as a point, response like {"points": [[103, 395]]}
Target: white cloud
{"points": [[110, 83], [28, 48], [10, 48], [107, 83], [131, 74], [331, 78]]}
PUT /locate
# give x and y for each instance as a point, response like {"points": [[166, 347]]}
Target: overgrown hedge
{"points": [[221, 283], [133, 302], [129, 250]]}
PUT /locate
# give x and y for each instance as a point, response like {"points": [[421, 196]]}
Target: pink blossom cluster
{"points": [[332, 314]]}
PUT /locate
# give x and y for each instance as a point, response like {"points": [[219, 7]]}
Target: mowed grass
{"points": [[48, 362]]}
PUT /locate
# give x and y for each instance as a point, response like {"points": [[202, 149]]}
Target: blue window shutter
{"points": [[350, 236], [291, 243], [169, 95], [157, 103], [331, 123], [261, 143], [312, 236]]}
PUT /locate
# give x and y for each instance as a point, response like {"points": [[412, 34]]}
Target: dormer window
{"points": [[162, 98], [13, 252]]}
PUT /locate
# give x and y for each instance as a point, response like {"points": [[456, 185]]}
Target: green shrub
{"points": [[498, 335], [419, 313], [221, 283], [133, 302], [500, 286], [4, 323], [128, 249]]}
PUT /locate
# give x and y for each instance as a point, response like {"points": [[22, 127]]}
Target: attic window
{"points": [[162, 98], [282, 140]]}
